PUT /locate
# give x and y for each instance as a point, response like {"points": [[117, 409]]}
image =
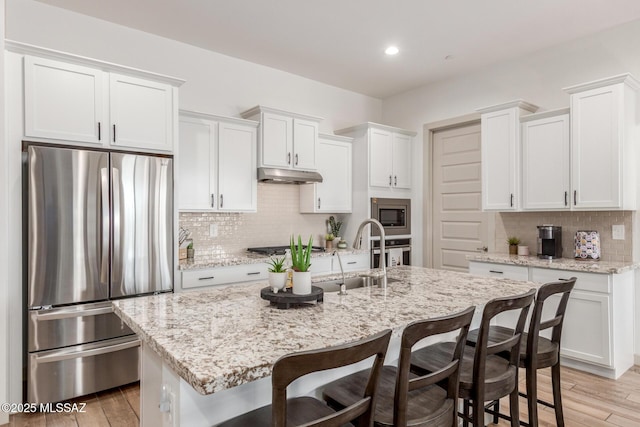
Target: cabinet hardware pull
{"points": [[575, 197], [563, 280], [511, 200], [221, 201], [482, 249], [288, 158], [205, 278], [565, 198], [395, 180], [352, 262], [496, 271], [253, 273], [213, 200], [114, 133], [318, 202], [389, 179], [296, 159], [99, 132]]}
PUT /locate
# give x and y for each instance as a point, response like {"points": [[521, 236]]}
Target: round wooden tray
{"points": [[286, 298]]}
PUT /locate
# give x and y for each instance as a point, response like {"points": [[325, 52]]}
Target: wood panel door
{"points": [[460, 227]]}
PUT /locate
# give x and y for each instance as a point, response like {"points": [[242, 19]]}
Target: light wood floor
{"points": [[589, 401]]}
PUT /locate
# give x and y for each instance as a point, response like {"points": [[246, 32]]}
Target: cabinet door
{"points": [[141, 113], [596, 148], [586, 329], [334, 164], [401, 158], [500, 130], [305, 144], [237, 175], [196, 177], [546, 163], [63, 101], [277, 141], [380, 155]]}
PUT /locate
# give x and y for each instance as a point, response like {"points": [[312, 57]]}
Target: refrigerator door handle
{"points": [[57, 357], [116, 258], [104, 262], [66, 314]]}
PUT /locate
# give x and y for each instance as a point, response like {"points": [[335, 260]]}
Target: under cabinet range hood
{"points": [[288, 176]]}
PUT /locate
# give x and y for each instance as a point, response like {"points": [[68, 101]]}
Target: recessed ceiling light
{"points": [[391, 50]]}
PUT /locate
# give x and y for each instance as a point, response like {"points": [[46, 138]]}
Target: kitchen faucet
{"points": [[343, 285], [357, 243]]}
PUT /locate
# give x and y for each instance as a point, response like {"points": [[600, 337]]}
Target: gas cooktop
{"points": [[279, 250]]}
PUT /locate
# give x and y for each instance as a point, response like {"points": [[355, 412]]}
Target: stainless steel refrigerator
{"points": [[98, 226]]}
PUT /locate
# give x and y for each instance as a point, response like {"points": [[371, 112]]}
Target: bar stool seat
{"points": [[548, 351], [407, 399]]}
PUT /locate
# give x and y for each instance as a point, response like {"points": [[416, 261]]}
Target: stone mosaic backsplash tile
{"points": [[278, 217], [523, 225]]}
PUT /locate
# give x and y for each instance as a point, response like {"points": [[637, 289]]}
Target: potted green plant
{"points": [[277, 273], [300, 262], [513, 245], [329, 238], [335, 227]]}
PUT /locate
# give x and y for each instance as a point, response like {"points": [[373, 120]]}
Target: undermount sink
{"points": [[351, 283]]}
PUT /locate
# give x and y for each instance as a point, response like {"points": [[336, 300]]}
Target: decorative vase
{"points": [[277, 280], [329, 244], [301, 282], [513, 249], [342, 244]]}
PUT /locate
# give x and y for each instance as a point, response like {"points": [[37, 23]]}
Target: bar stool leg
{"points": [[465, 412], [496, 408], [532, 396], [514, 410], [557, 395], [478, 413]]}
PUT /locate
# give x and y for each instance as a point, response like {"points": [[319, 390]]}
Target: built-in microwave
{"points": [[393, 214]]}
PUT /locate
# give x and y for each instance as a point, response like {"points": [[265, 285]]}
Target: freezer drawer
{"points": [[74, 325], [62, 374]]}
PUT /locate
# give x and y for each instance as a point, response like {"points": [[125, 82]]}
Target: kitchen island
{"points": [[212, 350]]}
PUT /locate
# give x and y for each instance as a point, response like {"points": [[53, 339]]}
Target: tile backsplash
{"points": [[523, 225], [278, 217]]}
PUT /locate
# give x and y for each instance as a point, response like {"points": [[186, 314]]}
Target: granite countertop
{"points": [[587, 266], [250, 258], [216, 339]]}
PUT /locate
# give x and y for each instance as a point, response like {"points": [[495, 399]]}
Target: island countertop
{"points": [[216, 339]]}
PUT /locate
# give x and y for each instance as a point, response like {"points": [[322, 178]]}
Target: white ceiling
{"points": [[341, 42]]}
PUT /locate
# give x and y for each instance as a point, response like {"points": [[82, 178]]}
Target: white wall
{"points": [[4, 244], [537, 78], [216, 84]]}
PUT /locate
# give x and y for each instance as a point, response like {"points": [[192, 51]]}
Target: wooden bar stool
{"points": [[538, 352], [405, 398], [307, 410], [490, 370]]}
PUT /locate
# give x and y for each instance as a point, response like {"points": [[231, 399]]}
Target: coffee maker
{"points": [[549, 242]]}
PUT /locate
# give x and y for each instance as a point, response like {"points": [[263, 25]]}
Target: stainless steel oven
{"points": [[393, 214], [397, 252]]}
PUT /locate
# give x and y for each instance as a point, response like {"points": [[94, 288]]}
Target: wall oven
{"points": [[397, 252], [393, 214]]}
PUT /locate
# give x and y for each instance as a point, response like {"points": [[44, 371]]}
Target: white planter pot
{"points": [[301, 282], [277, 280]]}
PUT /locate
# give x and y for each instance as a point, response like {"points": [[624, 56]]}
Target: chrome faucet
{"points": [[343, 285], [357, 243]]}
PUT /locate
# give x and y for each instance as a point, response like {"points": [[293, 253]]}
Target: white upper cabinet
{"points": [[546, 162], [141, 113], [500, 151], [603, 131], [389, 152], [286, 140], [93, 103], [49, 85], [334, 193], [216, 163]]}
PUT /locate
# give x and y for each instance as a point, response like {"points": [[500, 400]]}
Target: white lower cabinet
{"points": [[224, 275], [352, 262], [597, 334]]}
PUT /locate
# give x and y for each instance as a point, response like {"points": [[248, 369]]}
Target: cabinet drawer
{"points": [[320, 265], [224, 275], [507, 271], [352, 262], [586, 281]]}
